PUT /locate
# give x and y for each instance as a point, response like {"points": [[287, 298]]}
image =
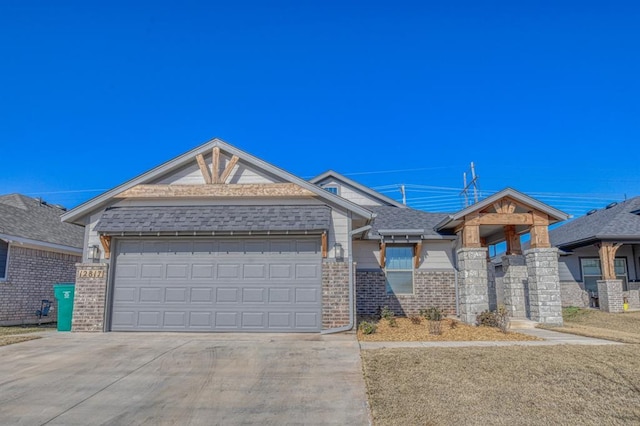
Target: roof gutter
{"points": [[41, 244], [351, 285]]}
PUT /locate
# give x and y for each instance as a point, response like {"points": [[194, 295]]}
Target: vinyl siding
{"points": [[352, 194], [435, 255]]}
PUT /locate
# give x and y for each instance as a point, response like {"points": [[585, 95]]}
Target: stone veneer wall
{"points": [[573, 294], [431, 288], [31, 275], [335, 294], [610, 295], [90, 297], [473, 287], [544, 285], [516, 286]]}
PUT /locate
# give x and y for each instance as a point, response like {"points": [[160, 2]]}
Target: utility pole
{"points": [[466, 186]]}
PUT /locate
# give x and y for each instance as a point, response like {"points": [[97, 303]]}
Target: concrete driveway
{"points": [[182, 379]]}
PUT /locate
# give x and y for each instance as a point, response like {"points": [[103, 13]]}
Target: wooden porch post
{"points": [[607, 252]]}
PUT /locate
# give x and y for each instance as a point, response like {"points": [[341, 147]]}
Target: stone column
{"points": [[544, 285], [90, 297], [473, 286], [515, 285], [492, 289], [610, 295]]}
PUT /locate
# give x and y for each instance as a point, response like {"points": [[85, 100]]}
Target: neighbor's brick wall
{"points": [[30, 278], [573, 294], [431, 288], [89, 300], [633, 297], [335, 294]]}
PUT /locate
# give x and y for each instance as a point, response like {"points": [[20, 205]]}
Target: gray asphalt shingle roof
{"points": [[214, 218], [617, 222], [390, 218], [26, 217]]}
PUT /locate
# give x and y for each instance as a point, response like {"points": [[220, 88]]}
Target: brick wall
{"points": [[431, 288], [633, 298], [30, 278], [335, 294], [90, 297], [610, 295]]}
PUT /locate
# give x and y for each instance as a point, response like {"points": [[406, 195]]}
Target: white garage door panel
{"points": [[217, 285]]}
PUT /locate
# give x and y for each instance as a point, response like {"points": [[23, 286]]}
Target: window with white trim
{"points": [[399, 269], [592, 272], [334, 189], [4, 259]]}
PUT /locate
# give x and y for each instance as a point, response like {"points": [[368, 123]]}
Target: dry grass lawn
{"points": [[11, 335], [514, 385], [623, 327], [452, 330]]}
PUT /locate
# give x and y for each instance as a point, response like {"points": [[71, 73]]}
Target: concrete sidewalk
{"points": [[550, 338]]}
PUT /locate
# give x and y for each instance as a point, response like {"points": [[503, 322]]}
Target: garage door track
{"points": [[171, 378]]}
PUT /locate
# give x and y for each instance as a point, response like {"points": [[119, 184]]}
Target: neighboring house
{"points": [[37, 250], [586, 242], [219, 240]]}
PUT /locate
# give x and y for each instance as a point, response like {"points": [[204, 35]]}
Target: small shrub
{"points": [[388, 314], [415, 319], [432, 314], [498, 319], [367, 327]]}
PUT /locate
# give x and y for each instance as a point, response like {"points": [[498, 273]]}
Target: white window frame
{"points": [[388, 288], [624, 278], [332, 186]]}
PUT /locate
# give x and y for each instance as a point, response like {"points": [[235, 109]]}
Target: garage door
{"points": [[252, 285]]}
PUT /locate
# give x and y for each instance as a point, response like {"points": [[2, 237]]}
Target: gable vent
{"points": [[592, 211], [611, 205]]}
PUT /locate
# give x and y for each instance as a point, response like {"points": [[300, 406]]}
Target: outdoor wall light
{"points": [[339, 252], [93, 253]]}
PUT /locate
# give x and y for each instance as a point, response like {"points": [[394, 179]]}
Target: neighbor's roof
{"points": [[29, 220], [211, 219], [101, 201], [397, 221], [364, 189], [618, 222]]}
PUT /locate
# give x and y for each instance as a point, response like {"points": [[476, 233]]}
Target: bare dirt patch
{"points": [[452, 330], [624, 327], [10, 340], [587, 385]]}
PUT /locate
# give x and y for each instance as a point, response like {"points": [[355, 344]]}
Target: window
{"points": [[399, 269], [4, 259], [332, 189], [592, 272]]}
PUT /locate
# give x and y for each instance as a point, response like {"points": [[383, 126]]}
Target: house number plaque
{"points": [[91, 273]]}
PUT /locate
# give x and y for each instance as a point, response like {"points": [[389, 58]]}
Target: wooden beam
{"points": [[206, 191], [203, 168], [499, 219], [512, 239], [228, 169], [471, 236], [383, 255], [417, 254], [215, 159], [607, 252], [105, 240], [540, 236], [325, 245]]}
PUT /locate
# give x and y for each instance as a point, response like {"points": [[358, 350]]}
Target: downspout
{"points": [[351, 284], [455, 271]]}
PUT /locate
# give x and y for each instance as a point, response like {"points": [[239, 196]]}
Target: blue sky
{"points": [[543, 96]]}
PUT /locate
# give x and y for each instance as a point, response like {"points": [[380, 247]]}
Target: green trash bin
{"points": [[64, 293]]}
